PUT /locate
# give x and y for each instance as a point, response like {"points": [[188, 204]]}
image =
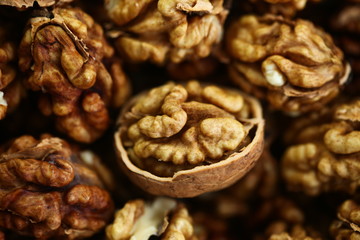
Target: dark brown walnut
{"points": [[31, 3], [286, 8], [163, 31], [164, 218], [184, 140], [66, 56], [11, 90], [46, 191], [347, 227], [292, 64], [324, 154]]}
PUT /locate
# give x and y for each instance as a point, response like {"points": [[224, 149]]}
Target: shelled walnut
{"points": [[292, 64], [184, 140], [11, 89], [347, 227], [324, 152], [164, 31], [30, 3], [164, 218], [296, 232], [66, 56], [48, 192]]}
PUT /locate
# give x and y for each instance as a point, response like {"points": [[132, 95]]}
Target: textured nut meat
{"points": [[167, 30], [30, 3], [292, 64], [324, 155], [47, 192], [64, 56], [182, 141], [163, 218]]}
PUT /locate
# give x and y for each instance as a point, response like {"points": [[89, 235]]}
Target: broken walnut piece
{"points": [[66, 56], [164, 31], [293, 64], [172, 138], [164, 218], [324, 154], [71, 202]]}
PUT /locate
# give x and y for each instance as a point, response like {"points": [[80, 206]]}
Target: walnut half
{"points": [[184, 140]]}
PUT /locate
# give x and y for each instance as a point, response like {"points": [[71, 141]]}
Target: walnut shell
{"points": [[196, 177]]}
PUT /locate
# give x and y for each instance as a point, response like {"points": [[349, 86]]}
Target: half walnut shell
{"points": [[185, 140]]}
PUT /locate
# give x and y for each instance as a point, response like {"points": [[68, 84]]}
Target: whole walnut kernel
{"points": [[70, 200], [167, 30], [164, 218], [65, 56], [324, 154], [31, 3], [184, 140], [292, 64], [11, 90]]}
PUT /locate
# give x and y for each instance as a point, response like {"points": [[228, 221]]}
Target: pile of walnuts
{"points": [[180, 119]]}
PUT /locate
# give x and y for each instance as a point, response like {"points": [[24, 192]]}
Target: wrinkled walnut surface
{"points": [[173, 139], [167, 30], [65, 57], [292, 64], [163, 218], [324, 155], [47, 192], [30, 3]]}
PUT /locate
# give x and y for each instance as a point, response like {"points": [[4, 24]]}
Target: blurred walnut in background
{"points": [[324, 152], [47, 191], [286, 8], [164, 31], [11, 89], [164, 218], [292, 64], [66, 56]]}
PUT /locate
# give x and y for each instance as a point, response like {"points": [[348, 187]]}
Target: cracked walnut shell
{"points": [[324, 155], [65, 55], [165, 30], [293, 64], [164, 218], [46, 190], [185, 140]]}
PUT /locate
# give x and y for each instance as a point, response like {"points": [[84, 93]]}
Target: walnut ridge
{"points": [[176, 136]]}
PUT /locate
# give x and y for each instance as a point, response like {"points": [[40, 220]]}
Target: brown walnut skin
{"points": [[71, 202], [294, 65], [163, 31], [199, 178], [66, 57], [30, 3]]}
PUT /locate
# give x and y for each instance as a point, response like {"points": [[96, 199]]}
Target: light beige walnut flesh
{"points": [[67, 58], [11, 89], [292, 64], [164, 218], [163, 31], [324, 155], [30, 3], [47, 191], [184, 140]]}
